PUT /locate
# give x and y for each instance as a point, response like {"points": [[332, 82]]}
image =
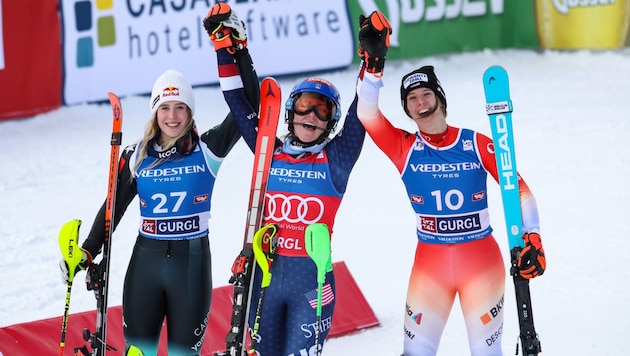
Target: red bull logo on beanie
{"points": [[170, 91]]}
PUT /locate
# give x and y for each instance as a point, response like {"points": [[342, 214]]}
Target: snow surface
{"points": [[571, 122]]}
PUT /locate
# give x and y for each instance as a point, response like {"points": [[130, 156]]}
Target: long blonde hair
{"points": [[152, 131]]}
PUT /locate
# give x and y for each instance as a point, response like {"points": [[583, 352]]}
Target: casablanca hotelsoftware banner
{"points": [[123, 46]]}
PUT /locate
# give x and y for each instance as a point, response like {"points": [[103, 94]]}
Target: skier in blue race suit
{"points": [[308, 178], [173, 171]]}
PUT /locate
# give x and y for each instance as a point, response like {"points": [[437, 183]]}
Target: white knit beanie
{"points": [[172, 86]]}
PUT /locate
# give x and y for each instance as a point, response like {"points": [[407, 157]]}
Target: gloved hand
{"points": [[224, 27], [86, 261], [374, 41], [531, 262]]}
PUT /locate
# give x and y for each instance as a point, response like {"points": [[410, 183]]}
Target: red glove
{"points": [[531, 262]]}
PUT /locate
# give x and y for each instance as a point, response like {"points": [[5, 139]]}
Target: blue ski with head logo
{"points": [[499, 109]]}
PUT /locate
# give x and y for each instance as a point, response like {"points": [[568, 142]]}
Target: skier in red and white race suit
{"points": [[444, 170]]}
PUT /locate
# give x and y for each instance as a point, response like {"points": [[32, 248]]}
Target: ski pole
{"points": [[264, 257], [68, 244], [317, 241]]}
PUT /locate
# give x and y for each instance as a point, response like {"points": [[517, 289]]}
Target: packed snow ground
{"points": [[571, 113]]}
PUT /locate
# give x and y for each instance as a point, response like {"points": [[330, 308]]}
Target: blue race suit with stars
{"points": [[303, 189]]}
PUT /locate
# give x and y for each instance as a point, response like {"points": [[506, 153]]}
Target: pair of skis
{"points": [[98, 273], [499, 110]]}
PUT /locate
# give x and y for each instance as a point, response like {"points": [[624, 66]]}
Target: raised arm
{"points": [[221, 138], [374, 42], [237, 75]]}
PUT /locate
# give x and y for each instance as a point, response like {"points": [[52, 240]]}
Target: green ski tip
{"points": [[317, 240]]}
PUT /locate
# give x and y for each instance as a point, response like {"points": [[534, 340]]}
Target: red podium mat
{"points": [[41, 337]]}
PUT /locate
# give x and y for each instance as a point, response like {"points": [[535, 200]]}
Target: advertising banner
{"points": [[123, 46], [30, 58], [586, 24], [429, 27], [1, 40]]}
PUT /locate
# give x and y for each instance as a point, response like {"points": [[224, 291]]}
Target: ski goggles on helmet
{"points": [[307, 102]]}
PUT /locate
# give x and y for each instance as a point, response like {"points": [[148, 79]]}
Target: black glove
{"points": [[374, 40], [224, 27], [531, 262], [217, 14]]}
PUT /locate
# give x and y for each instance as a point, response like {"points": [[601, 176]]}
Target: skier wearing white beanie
{"points": [[172, 108], [172, 170], [172, 86]]}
